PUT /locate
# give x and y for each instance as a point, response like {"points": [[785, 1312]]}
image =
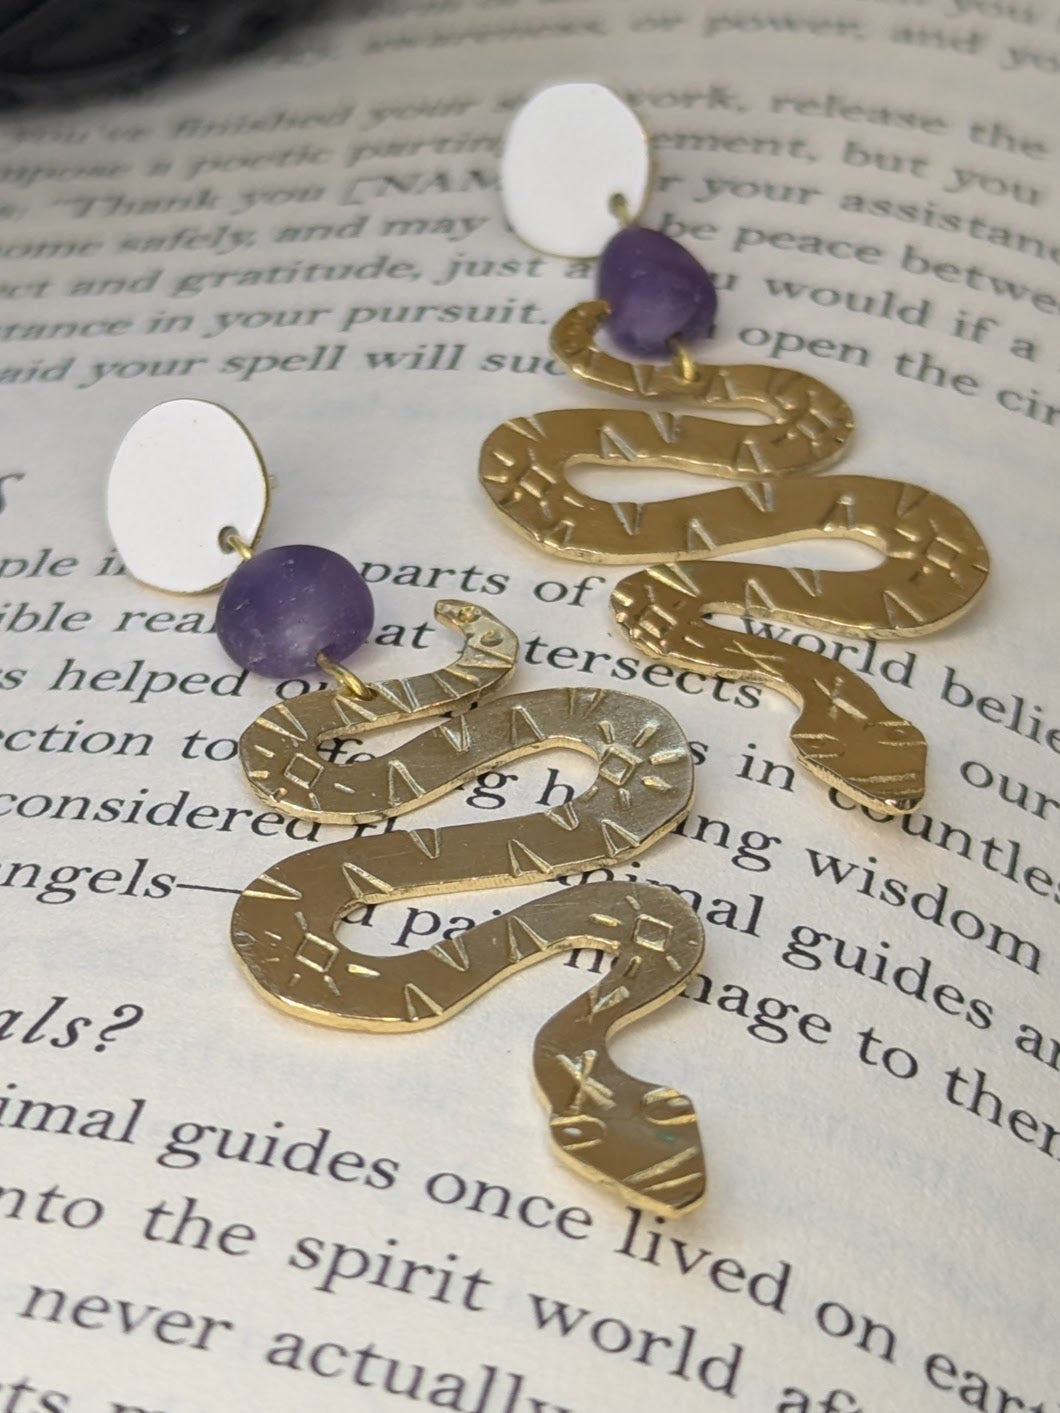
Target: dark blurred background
{"points": [[57, 52]]}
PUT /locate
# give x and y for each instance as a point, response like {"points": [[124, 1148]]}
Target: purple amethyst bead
{"points": [[657, 292], [283, 606]]}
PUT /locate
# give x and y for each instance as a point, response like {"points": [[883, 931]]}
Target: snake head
{"points": [[844, 733], [880, 761], [456, 613], [489, 644], [648, 1148]]}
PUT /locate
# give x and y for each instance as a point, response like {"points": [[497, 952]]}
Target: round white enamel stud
{"points": [[185, 471], [570, 150]]}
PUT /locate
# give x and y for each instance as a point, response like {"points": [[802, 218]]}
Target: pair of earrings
{"points": [[187, 497]]}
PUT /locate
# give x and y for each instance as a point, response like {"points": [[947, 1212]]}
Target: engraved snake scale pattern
{"points": [[934, 561], [640, 1137]]}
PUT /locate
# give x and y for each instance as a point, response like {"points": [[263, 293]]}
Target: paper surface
{"points": [[242, 1210]]}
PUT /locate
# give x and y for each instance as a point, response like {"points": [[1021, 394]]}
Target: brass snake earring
{"points": [[572, 156], [186, 483]]}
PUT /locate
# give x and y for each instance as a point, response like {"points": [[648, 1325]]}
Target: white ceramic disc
{"points": [[569, 150], [184, 471]]}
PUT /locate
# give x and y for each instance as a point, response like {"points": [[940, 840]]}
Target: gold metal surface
{"points": [[619, 208], [806, 426], [641, 1138], [933, 560], [231, 540], [350, 685], [278, 751], [684, 363]]}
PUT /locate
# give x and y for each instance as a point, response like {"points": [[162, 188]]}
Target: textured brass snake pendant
{"points": [[934, 562], [640, 1137]]}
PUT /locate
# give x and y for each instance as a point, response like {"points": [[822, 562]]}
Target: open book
{"points": [[207, 1204]]}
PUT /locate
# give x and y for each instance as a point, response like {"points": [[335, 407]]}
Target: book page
{"points": [[208, 1203]]}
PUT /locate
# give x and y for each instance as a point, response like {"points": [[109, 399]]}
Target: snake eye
{"points": [[573, 1134]]}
